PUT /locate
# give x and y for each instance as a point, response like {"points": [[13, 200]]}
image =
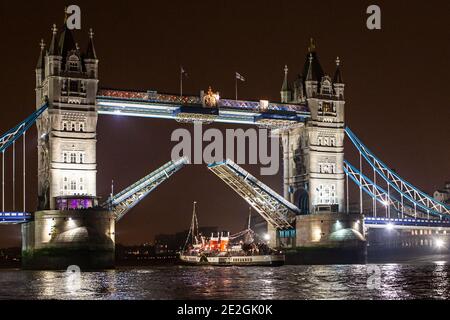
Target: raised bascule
{"points": [[312, 218]]}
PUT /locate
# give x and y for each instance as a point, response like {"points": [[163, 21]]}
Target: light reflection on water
{"points": [[398, 281]]}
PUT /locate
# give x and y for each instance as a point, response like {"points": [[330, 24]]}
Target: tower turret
{"points": [[53, 58], [338, 83], [90, 58], [286, 93], [40, 66], [311, 80], [67, 165]]}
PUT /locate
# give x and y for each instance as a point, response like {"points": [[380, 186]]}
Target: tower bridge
{"points": [[313, 211]]}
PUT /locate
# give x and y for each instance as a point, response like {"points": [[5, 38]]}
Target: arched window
{"points": [[73, 126], [73, 185], [73, 158], [81, 158], [81, 127], [333, 142], [65, 161], [64, 126]]}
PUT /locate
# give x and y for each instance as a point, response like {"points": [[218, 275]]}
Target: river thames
{"points": [[382, 281]]}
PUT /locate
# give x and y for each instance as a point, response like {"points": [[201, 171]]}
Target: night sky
{"points": [[397, 87]]}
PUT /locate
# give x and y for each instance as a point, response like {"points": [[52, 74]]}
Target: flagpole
{"points": [[181, 83], [235, 85]]}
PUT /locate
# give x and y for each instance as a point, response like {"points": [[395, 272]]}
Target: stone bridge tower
{"points": [[69, 228], [314, 152], [314, 178], [67, 79]]}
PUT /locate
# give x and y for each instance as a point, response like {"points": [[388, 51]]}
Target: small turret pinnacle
{"points": [[90, 52], [337, 75], [41, 63], [285, 89], [310, 74], [285, 86], [53, 50]]}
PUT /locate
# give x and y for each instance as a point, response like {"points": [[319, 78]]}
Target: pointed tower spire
{"points": [[41, 60], [285, 89], [53, 50], [66, 40], [338, 83], [90, 52], [314, 65], [285, 86], [310, 76], [337, 75]]}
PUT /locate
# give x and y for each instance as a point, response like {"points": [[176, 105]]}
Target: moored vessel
{"points": [[223, 249]]}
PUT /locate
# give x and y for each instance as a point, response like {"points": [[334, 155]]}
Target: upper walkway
{"points": [[152, 104]]}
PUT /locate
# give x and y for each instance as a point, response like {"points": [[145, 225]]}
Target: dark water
{"points": [[394, 281]]}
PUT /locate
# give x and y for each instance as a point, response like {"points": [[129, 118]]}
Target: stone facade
{"points": [[67, 80], [314, 152]]}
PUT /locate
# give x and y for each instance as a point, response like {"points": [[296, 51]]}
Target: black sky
{"points": [[397, 88]]}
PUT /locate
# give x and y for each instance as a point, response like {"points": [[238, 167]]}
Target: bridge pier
{"points": [[57, 239]]}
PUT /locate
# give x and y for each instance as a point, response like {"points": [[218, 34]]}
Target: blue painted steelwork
{"points": [[373, 222], [125, 200], [15, 133], [15, 217], [407, 190], [379, 194]]}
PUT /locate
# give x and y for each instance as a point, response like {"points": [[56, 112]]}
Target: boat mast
{"points": [[194, 223]]}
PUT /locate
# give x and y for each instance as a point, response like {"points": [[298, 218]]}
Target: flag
{"points": [[183, 72], [239, 77]]}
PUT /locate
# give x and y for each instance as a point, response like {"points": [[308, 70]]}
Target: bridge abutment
{"points": [[57, 239]]}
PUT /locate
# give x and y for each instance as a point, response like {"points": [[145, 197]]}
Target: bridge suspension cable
{"points": [[406, 190], [380, 195], [8, 140]]}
